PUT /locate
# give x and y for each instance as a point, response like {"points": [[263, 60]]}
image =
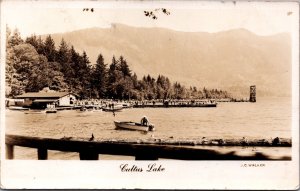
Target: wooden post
{"points": [[9, 151], [88, 155], [42, 154], [252, 94]]}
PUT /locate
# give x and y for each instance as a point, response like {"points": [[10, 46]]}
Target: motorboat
{"points": [[129, 125]]}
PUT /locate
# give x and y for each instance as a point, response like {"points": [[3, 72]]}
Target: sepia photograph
{"points": [[135, 90]]}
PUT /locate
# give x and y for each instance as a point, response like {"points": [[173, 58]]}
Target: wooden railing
{"points": [[90, 150]]}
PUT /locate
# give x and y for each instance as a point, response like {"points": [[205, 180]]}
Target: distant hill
{"points": [[231, 60]]}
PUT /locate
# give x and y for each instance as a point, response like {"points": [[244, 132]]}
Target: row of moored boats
{"points": [[111, 107]]}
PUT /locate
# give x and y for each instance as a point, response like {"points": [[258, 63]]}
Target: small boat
{"points": [[127, 105], [96, 109], [17, 108], [33, 111], [110, 109], [51, 110], [133, 126]]}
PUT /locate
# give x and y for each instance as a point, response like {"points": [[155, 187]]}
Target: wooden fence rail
{"points": [[90, 150]]}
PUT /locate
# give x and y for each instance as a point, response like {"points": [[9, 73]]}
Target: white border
{"points": [[178, 174]]}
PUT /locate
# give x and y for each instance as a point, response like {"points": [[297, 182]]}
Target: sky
{"points": [[46, 17]]}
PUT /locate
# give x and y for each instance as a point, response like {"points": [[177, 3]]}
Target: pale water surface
{"points": [[267, 118]]}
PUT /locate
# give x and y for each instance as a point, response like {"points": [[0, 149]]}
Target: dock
{"points": [[177, 104]]}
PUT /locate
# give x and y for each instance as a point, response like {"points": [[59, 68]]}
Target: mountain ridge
{"points": [[231, 60]]}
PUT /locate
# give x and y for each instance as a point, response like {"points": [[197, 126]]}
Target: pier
{"points": [[140, 149], [173, 103]]}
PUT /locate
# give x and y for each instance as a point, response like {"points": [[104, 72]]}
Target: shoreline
{"points": [[276, 142], [90, 149]]}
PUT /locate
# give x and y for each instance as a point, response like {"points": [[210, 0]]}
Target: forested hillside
{"points": [[34, 63]]}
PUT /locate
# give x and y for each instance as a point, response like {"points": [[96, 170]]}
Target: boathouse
{"points": [[44, 97]]}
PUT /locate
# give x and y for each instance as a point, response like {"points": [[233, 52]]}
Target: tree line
{"points": [[34, 63]]}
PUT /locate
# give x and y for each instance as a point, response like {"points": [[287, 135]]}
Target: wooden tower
{"points": [[252, 94]]}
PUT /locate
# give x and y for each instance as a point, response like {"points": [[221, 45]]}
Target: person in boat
{"points": [[144, 121]]}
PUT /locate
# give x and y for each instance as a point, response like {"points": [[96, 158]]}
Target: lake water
{"points": [[267, 118]]}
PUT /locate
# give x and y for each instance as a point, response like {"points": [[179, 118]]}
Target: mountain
{"points": [[231, 60]]}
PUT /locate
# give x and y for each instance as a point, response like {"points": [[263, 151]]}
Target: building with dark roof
{"points": [[43, 98]]}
